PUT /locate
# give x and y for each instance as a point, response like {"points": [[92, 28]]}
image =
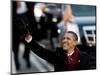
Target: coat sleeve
{"points": [[46, 54]]}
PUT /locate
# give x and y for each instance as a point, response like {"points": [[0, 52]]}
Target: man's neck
{"points": [[70, 52]]}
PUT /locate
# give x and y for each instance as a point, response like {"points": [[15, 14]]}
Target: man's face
{"points": [[68, 41]]}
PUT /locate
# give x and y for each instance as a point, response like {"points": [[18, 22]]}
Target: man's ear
{"points": [[75, 43]]}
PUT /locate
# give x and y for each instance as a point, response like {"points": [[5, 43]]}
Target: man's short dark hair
{"points": [[74, 34]]}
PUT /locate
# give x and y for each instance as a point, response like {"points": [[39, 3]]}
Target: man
{"points": [[68, 57]]}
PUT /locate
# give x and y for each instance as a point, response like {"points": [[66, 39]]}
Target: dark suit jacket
{"points": [[58, 58]]}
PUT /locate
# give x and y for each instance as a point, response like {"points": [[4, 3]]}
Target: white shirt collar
{"points": [[69, 54]]}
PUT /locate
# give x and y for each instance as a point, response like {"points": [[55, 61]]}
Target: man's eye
{"points": [[68, 38], [63, 38]]}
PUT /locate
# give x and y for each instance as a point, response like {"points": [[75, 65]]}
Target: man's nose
{"points": [[64, 40]]}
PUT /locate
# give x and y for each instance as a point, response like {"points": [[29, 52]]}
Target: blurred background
{"points": [[42, 21]]}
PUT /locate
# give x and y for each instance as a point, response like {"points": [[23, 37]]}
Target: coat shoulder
{"points": [[83, 55]]}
